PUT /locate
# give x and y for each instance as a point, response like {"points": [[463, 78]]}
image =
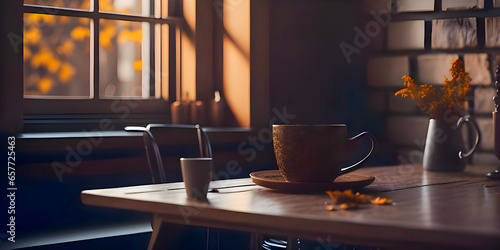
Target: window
{"points": [[89, 57], [88, 60]]}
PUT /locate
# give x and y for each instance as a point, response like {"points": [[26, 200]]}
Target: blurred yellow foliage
{"points": [[66, 48], [27, 53], [105, 36], [84, 21], [85, 5], [45, 58], [50, 42], [124, 11], [66, 73], [80, 33], [63, 20], [106, 5], [38, 19], [32, 36], [45, 84], [137, 65], [133, 36]]}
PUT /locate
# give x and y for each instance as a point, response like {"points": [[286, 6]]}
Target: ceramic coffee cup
{"points": [[196, 174], [315, 153]]}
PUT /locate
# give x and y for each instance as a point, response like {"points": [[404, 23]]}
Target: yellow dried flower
{"points": [[436, 102]]}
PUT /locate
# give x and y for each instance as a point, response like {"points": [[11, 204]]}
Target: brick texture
{"points": [[478, 67], [483, 102], [450, 5], [432, 68], [454, 33], [414, 5], [387, 71], [492, 31], [406, 35]]}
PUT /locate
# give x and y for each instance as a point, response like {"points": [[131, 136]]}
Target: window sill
{"points": [[39, 142], [108, 153], [86, 134]]}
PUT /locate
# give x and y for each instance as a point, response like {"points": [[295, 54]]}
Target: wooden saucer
{"points": [[273, 179]]}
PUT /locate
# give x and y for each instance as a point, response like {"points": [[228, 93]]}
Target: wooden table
{"points": [[430, 210]]}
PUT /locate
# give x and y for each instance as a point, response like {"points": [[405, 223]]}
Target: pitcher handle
{"points": [[467, 118], [352, 142]]}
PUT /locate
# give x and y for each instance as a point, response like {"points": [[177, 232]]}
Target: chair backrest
{"points": [[172, 140]]}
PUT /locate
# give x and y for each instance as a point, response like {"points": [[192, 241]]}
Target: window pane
{"points": [[56, 56], [124, 53], [73, 4], [134, 7]]}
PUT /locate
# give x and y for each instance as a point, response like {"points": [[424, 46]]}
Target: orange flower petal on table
{"points": [[341, 197], [362, 198], [350, 205], [348, 200], [348, 196], [381, 201]]}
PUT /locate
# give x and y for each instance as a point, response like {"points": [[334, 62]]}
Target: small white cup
{"points": [[197, 174]]}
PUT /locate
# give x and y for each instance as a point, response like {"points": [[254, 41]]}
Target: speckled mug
{"points": [[315, 153]]}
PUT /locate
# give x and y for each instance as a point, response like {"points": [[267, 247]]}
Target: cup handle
{"points": [[351, 143], [460, 122]]}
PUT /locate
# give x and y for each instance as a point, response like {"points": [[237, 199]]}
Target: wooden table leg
{"points": [[154, 242], [168, 235]]}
